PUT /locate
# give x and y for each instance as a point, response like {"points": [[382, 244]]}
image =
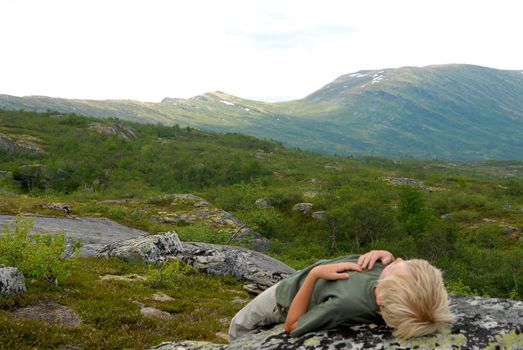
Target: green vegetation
{"points": [[110, 309], [451, 112], [466, 218], [38, 256]]}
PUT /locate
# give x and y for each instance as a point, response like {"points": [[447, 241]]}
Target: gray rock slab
{"points": [[258, 270], [11, 281], [152, 249], [94, 233], [480, 324]]}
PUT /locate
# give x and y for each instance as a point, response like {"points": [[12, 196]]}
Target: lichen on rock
{"points": [[480, 324]]}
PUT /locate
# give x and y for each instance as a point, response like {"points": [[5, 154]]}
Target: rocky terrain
{"points": [[480, 323]]}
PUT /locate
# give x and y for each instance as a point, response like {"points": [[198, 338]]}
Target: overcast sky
{"points": [[265, 50]]}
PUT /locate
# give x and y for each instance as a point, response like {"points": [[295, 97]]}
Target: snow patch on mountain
{"points": [[227, 103], [357, 75], [377, 77]]}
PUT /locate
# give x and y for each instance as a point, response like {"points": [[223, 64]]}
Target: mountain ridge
{"points": [[454, 111]]}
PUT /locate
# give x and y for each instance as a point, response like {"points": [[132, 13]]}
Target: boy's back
{"points": [[333, 303]]}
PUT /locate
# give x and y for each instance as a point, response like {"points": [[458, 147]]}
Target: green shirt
{"points": [[333, 303]]}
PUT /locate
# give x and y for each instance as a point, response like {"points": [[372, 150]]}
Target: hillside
{"points": [[452, 112], [463, 217]]}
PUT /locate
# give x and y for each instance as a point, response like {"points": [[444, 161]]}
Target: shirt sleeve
{"points": [[321, 316]]}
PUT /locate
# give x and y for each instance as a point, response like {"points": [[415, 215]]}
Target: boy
{"points": [[408, 295]]}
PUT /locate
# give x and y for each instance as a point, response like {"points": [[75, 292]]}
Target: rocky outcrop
{"points": [[11, 281], [480, 324], [19, 144], [258, 270], [414, 183], [113, 129], [189, 209], [152, 249], [58, 206]]}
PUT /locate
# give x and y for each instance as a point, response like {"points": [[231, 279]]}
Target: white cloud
{"points": [[148, 50]]}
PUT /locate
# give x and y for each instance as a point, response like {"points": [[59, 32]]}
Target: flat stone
{"points": [[151, 312], [161, 297], [128, 278], [51, 313], [94, 233]]}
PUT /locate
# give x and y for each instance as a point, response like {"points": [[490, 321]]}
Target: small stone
{"points": [[239, 301], [332, 167], [262, 203], [58, 206], [302, 207], [11, 281], [151, 312], [508, 230], [252, 288], [222, 335], [161, 297], [128, 278], [311, 194], [320, 215]]}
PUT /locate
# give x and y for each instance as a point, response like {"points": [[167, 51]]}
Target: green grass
{"points": [[110, 314]]}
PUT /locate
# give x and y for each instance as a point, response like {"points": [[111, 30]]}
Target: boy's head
{"points": [[413, 299]]}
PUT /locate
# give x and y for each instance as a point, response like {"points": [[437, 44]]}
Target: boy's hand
{"points": [[333, 272], [367, 260]]}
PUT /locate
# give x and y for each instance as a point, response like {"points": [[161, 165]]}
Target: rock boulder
{"points": [[259, 271], [11, 281], [480, 324]]}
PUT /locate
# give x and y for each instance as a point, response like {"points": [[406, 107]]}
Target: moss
{"points": [[512, 340], [449, 341]]}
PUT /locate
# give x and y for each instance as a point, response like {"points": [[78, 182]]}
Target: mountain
{"points": [[454, 112]]}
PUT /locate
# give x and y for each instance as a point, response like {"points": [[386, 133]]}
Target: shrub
{"points": [[489, 237], [164, 276], [437, 241], [268, 222], [200, 232], [40, 255], [414, 216]]}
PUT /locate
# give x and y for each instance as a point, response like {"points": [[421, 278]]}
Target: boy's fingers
{"points": [[353, 266], [387, 260], [361, 259], [343, 276], [365, 261], [373, 261]]}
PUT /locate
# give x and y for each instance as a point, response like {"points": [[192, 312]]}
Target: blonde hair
{"points": [[415, 303]]}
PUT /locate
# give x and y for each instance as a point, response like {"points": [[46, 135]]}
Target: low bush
{"points": [[38, 255]]}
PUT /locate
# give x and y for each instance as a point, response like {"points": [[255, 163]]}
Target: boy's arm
{"points": [[300, 303], [369, 259]]}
